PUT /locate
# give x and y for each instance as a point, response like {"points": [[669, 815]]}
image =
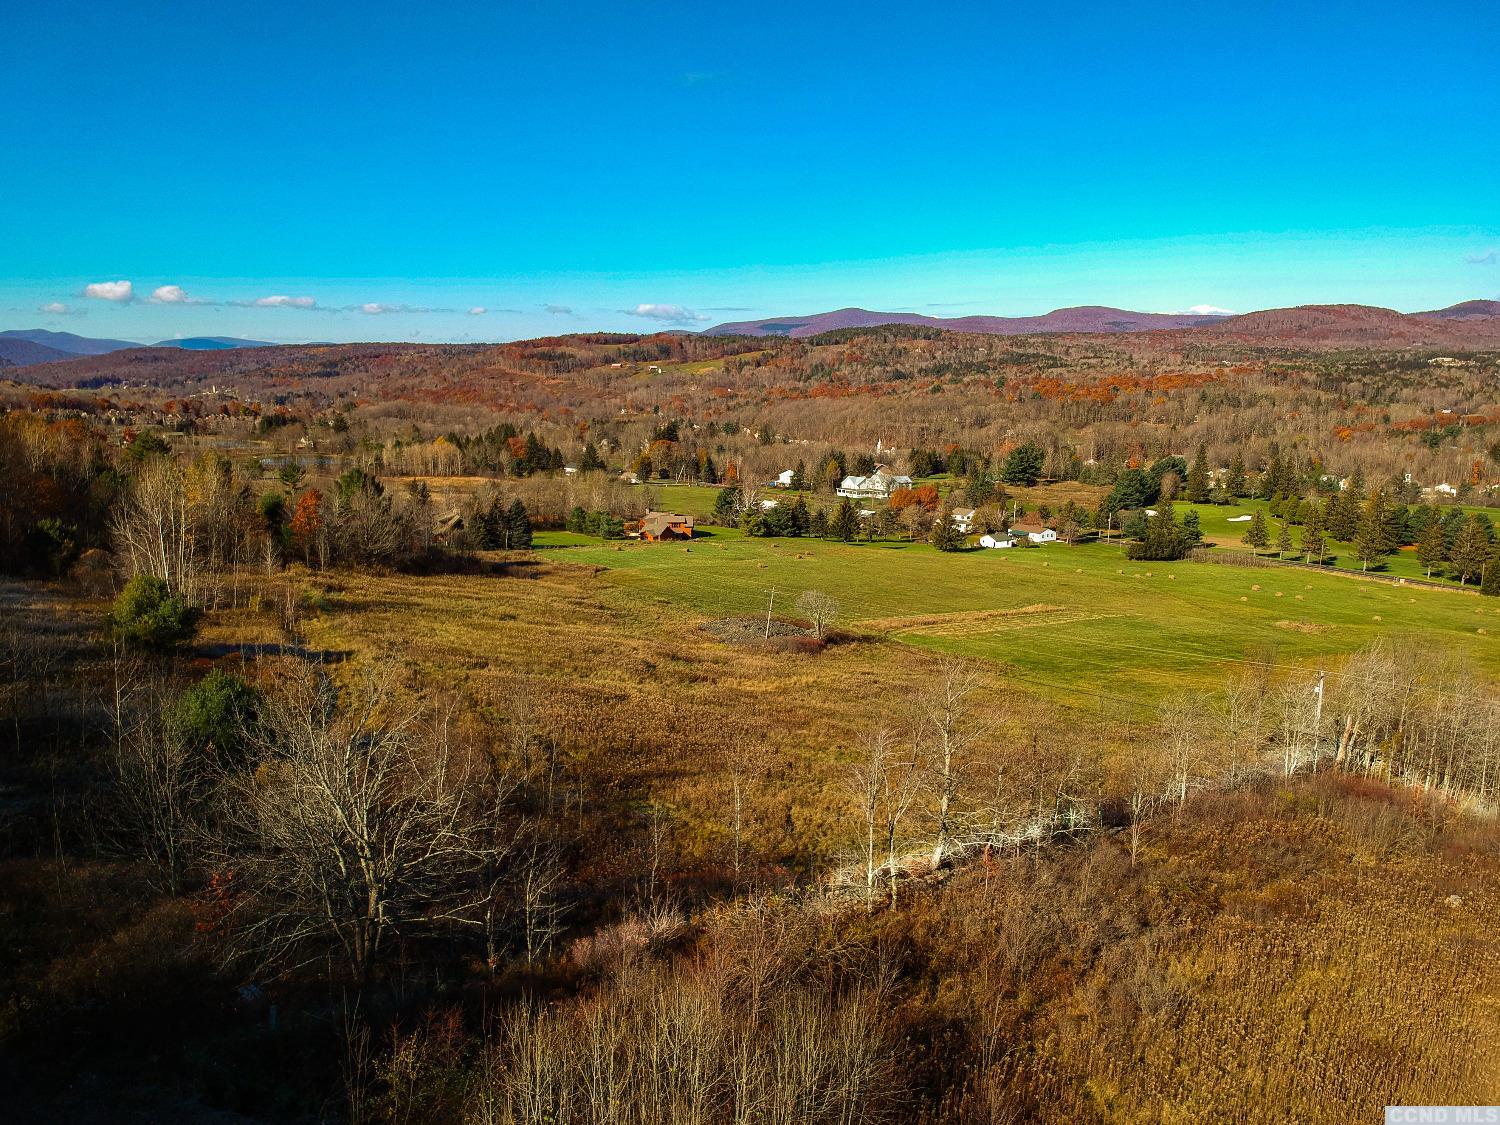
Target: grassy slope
{"points": [[1109, 626], [1217, 528]]}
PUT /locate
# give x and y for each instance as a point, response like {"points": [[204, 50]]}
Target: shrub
{"points": [[149, 616], [216, 712]]}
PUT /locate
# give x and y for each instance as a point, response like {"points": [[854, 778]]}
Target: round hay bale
{"points": [[1256, 586], [1377, 617], [1278, 593], [1243, 598]]}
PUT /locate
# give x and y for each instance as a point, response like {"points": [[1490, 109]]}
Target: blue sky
{"points": [[300, 172]]}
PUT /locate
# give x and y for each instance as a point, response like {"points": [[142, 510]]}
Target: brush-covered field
{"points": [[1079, 623]]}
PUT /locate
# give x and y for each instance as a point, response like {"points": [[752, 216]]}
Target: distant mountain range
{"points": [[1469, 324], [22, 347], [213, 343], [1083, 318]]}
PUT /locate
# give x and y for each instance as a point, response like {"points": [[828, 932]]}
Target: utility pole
{"points": [[771, 603], [1318, 715]]}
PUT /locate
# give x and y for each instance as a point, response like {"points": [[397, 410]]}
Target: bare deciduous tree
{"points": [[352, 830], [949, 720], [154, 528], [818, 608]]}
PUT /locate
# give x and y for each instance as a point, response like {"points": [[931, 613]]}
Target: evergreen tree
{"points": [[1257, 536], [1284, 545], [1197, 478], [1192, 531], [1270, 480], [517, 527], [818, 525], [1164, 540], [799, 476], [944, 536], [799, 520], [1489, 584], [591, 461], [727, 506], [845, 522], [1024, 465], [1132, 490], [1471, 550], [1432, 546], [1313, 546], [1235, 483], [1342, 517], [1371, 545], [1136, 526]]}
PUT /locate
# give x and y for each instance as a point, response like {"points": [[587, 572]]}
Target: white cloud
{"points": [[378, 308], [121, 291], [283, 302], [172, 295], [667, 314], [559, 310], [1210, 310], [478, 310], [55, 308]]}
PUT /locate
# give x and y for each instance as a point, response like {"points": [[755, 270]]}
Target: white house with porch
{"points": [[877, 486]]}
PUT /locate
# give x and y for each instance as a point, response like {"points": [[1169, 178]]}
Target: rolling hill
{"points": [[1465, 325], [1083, 318], [17, 352], [66, 343], [1464, 310], [24, 347], [212, 343]]}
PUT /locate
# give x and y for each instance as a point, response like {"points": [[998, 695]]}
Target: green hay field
{"points": [[1081, 623]]}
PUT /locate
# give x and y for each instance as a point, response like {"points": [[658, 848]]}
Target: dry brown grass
{"points": [[645, 698]]}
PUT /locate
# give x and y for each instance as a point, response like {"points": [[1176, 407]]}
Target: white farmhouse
{"points": [[877, 486], [1046, 535], [996, 542], [963, 519], [784, 478]]}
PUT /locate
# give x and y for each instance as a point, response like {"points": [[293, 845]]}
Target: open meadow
{"points": [[1082, 624]]}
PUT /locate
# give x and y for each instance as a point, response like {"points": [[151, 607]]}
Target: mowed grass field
{"points": [[1078, 624], [1213, 518]]}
